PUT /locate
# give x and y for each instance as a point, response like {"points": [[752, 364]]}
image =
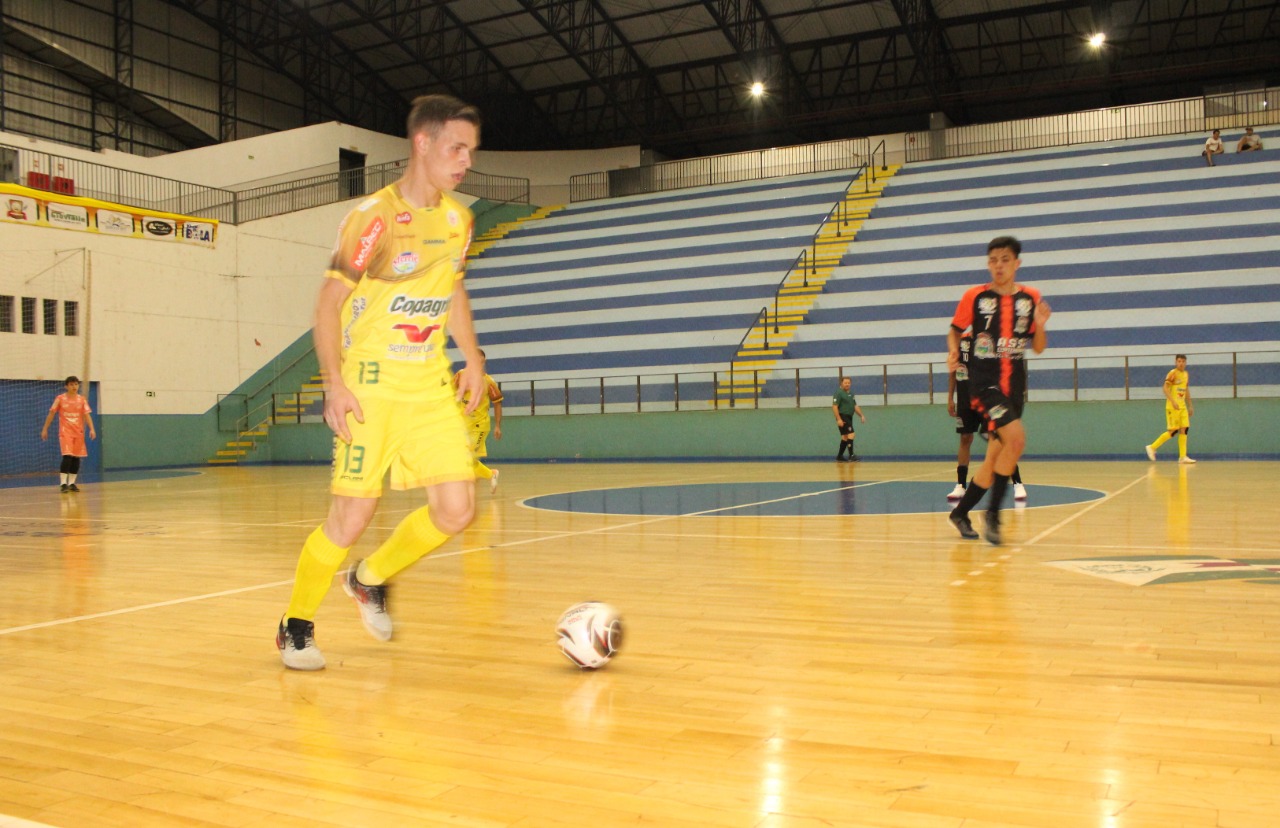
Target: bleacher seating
{"points": [[1140, 248], [655, 283]]}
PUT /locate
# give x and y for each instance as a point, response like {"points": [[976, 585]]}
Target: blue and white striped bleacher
{"points": [[1140, 248], [645, 284]]}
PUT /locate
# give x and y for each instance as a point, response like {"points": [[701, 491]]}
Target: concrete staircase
{"points": [[498, 232], [766, 341], [308, 401], [239, 447]]}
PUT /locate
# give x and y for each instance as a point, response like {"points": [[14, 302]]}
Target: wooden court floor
{"points": [[1116, 664]]}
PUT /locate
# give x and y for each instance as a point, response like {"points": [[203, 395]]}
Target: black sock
{"points": [[851, 454], [840, 453], [972, 495], [962, 474], [1017, 476], [998, 487]]}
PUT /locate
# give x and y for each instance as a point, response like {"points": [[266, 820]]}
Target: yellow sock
{"points": [[482, 471], [1182, 445], [413, 538], [317, 565], [1161, 440]]}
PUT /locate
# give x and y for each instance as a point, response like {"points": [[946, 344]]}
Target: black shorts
{"points": [[995, 409], [968, 421], [847, 428]]}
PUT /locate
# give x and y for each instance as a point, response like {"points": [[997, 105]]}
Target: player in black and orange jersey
{"points": [[393, 287], [1004, 318], [969, 423]]}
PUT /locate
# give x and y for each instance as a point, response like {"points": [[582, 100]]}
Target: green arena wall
{"points": [[1223, 428]]}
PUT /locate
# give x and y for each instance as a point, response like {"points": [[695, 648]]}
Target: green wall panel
{"points": [[1065, 429]]}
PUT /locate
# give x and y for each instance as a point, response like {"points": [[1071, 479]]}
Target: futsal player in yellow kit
{"points": [[1178, 410], [393, 287], [478, 424]]}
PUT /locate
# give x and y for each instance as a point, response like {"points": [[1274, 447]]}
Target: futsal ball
{"points": [[589, 634]]}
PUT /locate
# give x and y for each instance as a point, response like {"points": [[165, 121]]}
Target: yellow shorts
{"points": [[477, 433], [1176, 419], [422, 443]]}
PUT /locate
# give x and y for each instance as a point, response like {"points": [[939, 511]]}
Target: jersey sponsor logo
{"points": [[987, 305], [357, 308], [404, 218], [983, 347], [1022, 307], [453, 218], [415, 334], [405, 263], [1010, 347], [997, 411], [367, 241], [433, 241], [411, 307], [962, 373]]}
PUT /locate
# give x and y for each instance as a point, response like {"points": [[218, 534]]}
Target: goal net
{"points": [[44, 338]]}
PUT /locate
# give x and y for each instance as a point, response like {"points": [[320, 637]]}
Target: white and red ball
{"points": [[589, 634]]}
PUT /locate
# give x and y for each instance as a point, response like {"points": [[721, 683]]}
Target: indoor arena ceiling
{"points": [[674, 75]]}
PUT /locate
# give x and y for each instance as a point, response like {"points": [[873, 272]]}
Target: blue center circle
{"points": [[786, 499]]}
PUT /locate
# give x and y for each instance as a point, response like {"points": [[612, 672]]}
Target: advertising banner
{"points": [[40, 208]]}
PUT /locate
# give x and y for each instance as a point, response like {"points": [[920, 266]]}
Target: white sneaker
{"points": [[956, 493], [296, 640], [1151, 453], [1019, 491], [1187, 461], [372, 601], [493, 481]]}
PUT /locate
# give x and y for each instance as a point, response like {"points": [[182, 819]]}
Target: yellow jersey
{"points": [[491, 394], [1178, 382], [402, 263]]}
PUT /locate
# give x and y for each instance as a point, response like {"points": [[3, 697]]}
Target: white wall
{"points": [[271, 156], [549, 172], [183, 322]]}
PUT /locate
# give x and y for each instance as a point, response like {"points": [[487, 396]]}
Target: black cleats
{"points": [[963, 526]]}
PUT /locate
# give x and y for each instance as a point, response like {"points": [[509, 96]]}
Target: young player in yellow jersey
{"points": [[1178, 410], [478, 424], [393, 287]]}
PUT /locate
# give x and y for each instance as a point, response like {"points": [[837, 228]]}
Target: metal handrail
{"points": [[880, 377], [763, 314], [154, 192]]}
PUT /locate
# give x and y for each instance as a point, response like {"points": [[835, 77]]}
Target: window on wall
{"points": [[71, 318], [6, 314], [51, 316], [28, 315]]}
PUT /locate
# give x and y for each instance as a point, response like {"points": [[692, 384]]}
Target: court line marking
{"points": [[16, 822], [558, 536], [1081, 513], [1093, 505]]}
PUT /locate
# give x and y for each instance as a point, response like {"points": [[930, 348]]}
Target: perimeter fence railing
{"points": [[1234, 110], [1225, 375], [69, 176], [721, 169]]}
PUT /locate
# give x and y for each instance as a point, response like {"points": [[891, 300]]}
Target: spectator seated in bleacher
{"points": [[1249, 142], [1212, 147]]}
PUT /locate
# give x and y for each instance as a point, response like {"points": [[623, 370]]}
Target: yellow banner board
{"points": [[41, 208]]}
